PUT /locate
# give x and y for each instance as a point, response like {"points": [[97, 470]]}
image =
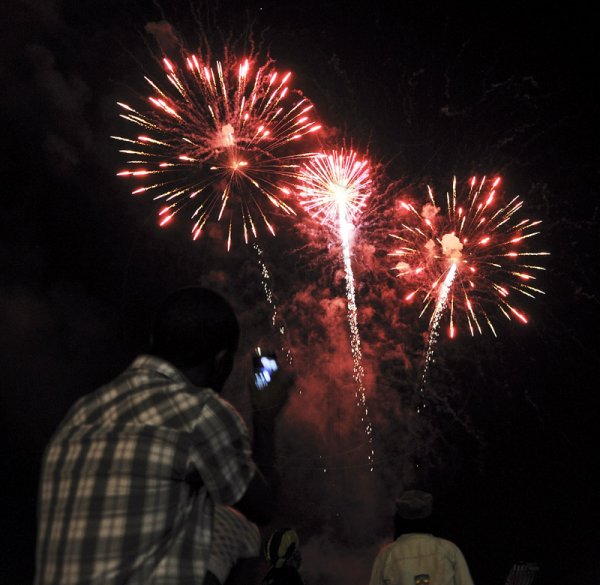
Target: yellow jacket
{"points": [[420, 559]]}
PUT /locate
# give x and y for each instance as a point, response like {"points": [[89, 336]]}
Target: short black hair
{"points": [[193, 324]]}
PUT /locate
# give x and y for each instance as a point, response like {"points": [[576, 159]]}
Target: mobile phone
{"points": [[265, 365]]}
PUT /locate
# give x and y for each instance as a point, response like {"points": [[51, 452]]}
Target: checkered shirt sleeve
{"points": [[130, 479], [234, 537]]}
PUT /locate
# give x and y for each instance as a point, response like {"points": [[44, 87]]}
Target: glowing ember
{"points": [[277, 321], [220, 142], [467, 262], [470, 259], [334, 188]]}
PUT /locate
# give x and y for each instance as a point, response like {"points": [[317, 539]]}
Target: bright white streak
{"points": [[434, 325], [359, 374], [333, 188]]}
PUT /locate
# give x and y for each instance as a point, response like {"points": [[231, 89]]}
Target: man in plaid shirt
{"points": [[131, 476]]}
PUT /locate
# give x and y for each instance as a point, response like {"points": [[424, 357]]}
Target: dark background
{"points": [[430, 92]]}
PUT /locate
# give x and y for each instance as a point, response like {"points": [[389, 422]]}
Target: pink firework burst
{"points": [[471, 260], [219, 141], [334, 187]]}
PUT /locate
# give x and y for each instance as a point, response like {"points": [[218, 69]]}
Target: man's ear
{"points": [[222, 365]]}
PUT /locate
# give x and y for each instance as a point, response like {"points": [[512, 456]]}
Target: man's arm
{"points": [[377, 570], [260, 499], [462, 575]]}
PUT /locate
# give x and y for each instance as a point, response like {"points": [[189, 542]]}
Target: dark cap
{"points": [[414, 504], [281, 546]]}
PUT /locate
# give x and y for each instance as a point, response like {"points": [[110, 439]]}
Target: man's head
{"points": [[196, 330], [413, 512]]}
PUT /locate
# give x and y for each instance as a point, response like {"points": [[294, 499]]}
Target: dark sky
{"points": [[510, 446]]}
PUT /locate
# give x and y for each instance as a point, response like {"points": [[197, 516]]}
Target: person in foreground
{"points": [[282, 551], [131, 477], [417, 557], [235, 546]]}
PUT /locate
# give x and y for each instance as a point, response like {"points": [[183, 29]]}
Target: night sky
{"points": [[509, 445]]}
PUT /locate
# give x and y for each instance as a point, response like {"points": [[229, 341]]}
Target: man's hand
{"points": [[268, 402], [260, 500]]}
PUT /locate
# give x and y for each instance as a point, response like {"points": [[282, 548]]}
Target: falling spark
{"points": [[277, 321], [221, 141], [481, 244], [334, 187], [468, 263], [434, 327]]}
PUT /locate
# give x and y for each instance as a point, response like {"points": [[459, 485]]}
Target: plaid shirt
{"points": [[130, 479], [234, 538]]}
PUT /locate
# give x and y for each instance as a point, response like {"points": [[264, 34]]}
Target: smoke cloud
{"points": [[165, 36]]}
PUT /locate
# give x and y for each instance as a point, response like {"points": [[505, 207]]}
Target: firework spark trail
{"points": [[434, 328], [333, 188], [359, 374], [467, 262], [277, 321], [224, 142], [220, 141], [482, 242]]}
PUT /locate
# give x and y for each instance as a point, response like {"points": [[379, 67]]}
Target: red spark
{"points": [[219, 137], [433, 243]]}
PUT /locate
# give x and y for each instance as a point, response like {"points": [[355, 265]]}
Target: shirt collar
{"points": [[410, 534], [159, 366]]}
